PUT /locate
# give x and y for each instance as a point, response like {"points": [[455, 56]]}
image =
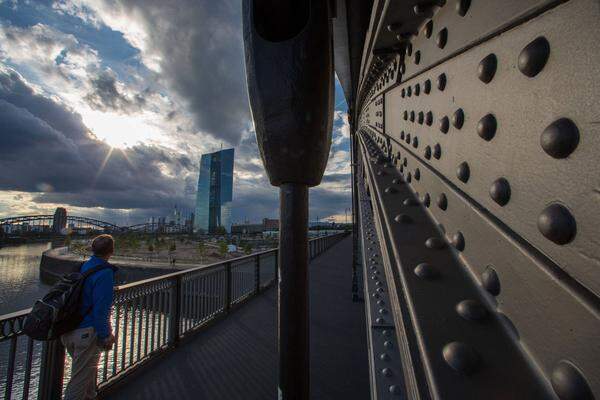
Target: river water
{"points": [[20, 283]]}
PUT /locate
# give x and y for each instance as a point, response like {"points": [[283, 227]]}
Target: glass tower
{"points": [[215, 192]]}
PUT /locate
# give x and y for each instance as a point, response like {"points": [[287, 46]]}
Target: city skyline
{"points": [[116, 115]]}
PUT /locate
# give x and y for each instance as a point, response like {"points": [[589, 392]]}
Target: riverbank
{"points": [[57, 262]]}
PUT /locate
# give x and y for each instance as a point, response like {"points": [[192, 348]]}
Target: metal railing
{"points": [[148, 318]]}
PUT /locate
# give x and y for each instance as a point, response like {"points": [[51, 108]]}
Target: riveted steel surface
{"points": [[492, 125], [463, 344]]}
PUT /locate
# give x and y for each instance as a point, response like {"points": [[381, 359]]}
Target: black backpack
{"points": [[59, 311]]}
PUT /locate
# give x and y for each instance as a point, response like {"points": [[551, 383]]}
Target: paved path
{"points": [[237, 357]]}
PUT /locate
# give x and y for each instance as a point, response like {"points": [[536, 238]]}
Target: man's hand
{"points": [[107, 343]]}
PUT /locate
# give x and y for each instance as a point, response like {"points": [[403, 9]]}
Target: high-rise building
{"points": [[59, 222], [215, 192]]}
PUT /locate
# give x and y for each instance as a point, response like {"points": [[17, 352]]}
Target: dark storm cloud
{"points": [[201, 53], [45, 147], [106, 95]]}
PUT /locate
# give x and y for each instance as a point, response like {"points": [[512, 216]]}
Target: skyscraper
{"points": [[215, 192]]}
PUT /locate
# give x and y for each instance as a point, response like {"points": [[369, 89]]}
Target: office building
{"points": [[215, 192]]}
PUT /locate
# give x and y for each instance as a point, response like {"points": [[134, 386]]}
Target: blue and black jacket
{"points": [[97, 297]]}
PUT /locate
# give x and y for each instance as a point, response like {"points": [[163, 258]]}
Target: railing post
{"points": [[175, 311], [52, 371], [227, 287], [257, 274], [277, 266]]}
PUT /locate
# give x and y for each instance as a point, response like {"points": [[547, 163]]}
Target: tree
{"points": [[222, 248], [173, 247], [247, 248], [220, 230], [201, 250], [68, 241], [150, 248]]}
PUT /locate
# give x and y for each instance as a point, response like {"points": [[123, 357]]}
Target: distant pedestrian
{"points": [[94, 334]]}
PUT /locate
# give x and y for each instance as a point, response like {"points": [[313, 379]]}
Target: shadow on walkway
{"points": [[237, 357]]}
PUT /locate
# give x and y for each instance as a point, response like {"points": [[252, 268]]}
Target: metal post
{"points": [[52, 371], [175, 312], [227, 287], [293, 334], [257, 274]]}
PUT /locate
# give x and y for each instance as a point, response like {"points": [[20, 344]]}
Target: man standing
{"points": [[94, 334]]}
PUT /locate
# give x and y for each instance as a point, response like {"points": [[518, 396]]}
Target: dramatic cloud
{"points": [[47, 149], [114, 101], [107, 95], [196, 46]]}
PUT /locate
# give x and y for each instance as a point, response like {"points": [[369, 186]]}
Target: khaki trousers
{"points": [[81, 344]]}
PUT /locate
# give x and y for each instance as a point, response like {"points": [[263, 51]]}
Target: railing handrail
{"points": [[170, 275], [149, 317]]}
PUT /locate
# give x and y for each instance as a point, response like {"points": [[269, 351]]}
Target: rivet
{"points": [[429, 118], [395, 27], [442, 38], [471, 310], [409, 201], [442, 201], [441, 82], [417, 89], [458, 241], [421, 9], [490, 281], [557, 224], [458, 118], [428, 29], [386, 372], [426, 200], [384, 357], [461, 357], [403, 219], [444, 124], [486, 127], [534, 56], [500, 191], [388, 344], [395, 390], [427, 152], [421, 117], [408, 178], [408, 138], [415, 142], [569, 383], [463, 172], [427, 86], [403, 93], [437, 151], [409, 91], [417, 57], [381, 173], [383, 311], [412, 116], [487, 68], [380, 320], [560, 138], [397, 181], [435, 243], [462, 6], [426, 271], [417, 173], [390, 190]]}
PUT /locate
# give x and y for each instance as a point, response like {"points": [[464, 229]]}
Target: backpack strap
{"points": [[95, 269]]}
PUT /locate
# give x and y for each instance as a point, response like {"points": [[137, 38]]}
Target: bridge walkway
{"points": [[237, 357]]}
